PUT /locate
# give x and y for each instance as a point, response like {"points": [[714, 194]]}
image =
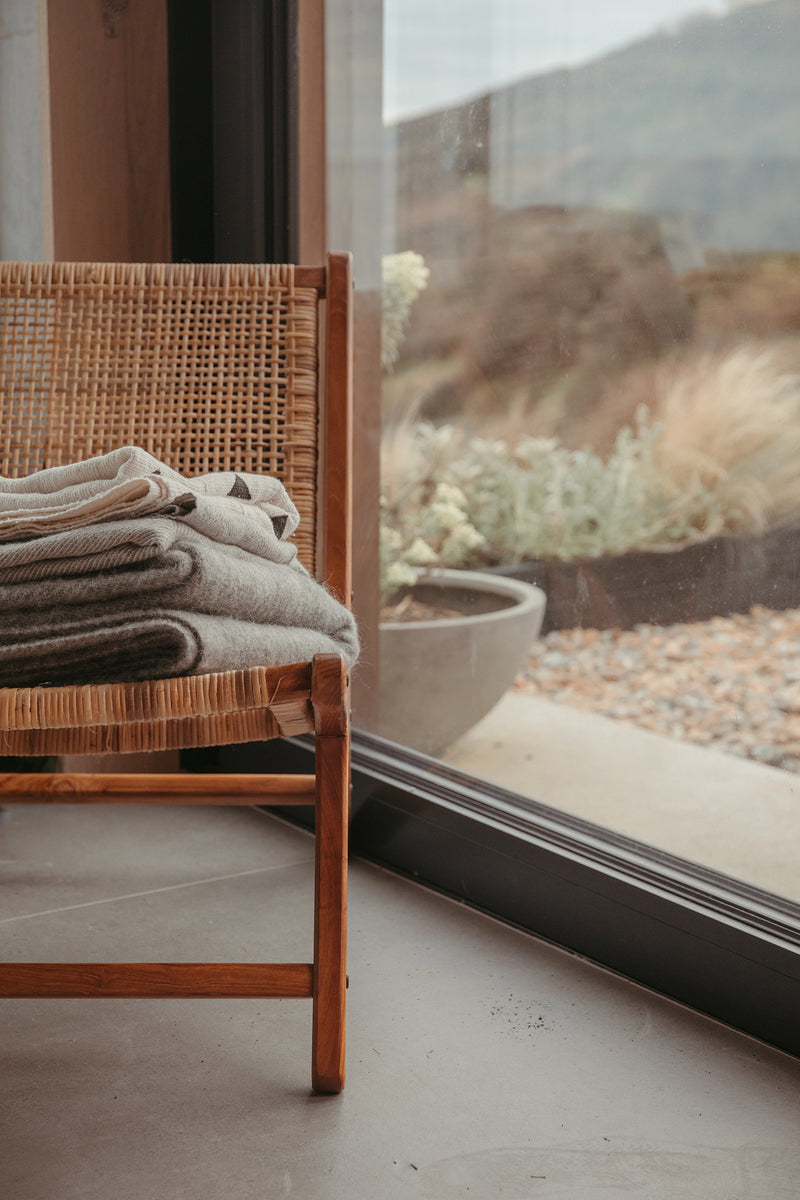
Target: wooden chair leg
{"points": [[330, 908], [330, 925]]}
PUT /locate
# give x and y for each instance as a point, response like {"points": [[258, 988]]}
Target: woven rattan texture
{"points": [[164, 714], [207, 367]]}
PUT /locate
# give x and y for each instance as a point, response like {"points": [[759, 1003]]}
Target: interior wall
{"points": [[109, 119]]}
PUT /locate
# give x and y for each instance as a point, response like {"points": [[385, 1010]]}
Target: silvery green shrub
{"points": [[469, 502]]}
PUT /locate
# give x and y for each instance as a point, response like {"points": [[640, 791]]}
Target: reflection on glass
{"points": [[591, 354]]}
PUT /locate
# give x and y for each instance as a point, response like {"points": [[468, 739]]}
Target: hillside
{"points": [[698, 126], [583, 225]]}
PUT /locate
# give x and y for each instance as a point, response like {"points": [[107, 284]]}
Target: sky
{"points": [[438, 52]]}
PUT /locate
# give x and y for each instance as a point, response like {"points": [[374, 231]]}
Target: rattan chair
{"points": [[207, 367]]}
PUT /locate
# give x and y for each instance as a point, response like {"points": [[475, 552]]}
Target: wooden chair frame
{"points": [[286, 409]]}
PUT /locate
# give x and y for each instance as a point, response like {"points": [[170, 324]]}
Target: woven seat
{"points": [[208, 368]]}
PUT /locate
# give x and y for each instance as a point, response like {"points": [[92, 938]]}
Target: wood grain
{"points": [[151, 980], [337, 433], [329, 695], [78, 788], [109, 125]]}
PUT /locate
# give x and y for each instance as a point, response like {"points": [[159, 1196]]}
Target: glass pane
{"points": [[591, 341]]}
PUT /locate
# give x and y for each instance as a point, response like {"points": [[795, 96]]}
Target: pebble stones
{"points": [[732, 683]]}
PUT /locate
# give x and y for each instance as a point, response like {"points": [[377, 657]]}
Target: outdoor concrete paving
{"points": [[725, 812]]}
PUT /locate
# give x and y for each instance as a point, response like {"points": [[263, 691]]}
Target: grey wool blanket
{"points": [[147, 597]]}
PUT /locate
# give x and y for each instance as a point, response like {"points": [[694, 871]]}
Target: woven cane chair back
{"points": [[207, 367]]}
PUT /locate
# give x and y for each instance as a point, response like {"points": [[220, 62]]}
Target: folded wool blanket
{"points": [[148, 598], [136, 558], [118, 569], [253, 512], [133, 645]]}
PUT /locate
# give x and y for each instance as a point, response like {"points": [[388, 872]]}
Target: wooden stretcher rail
{"points": [[133, 981], [31, 788]]}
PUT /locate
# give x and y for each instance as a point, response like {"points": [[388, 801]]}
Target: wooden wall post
{"points": [[109, 130]]}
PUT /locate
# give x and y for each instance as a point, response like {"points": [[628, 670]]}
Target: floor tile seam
{"points": [[173, 887]]}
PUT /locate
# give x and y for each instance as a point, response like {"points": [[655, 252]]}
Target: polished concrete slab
{"points": [[729, 813], [481, 1062]]}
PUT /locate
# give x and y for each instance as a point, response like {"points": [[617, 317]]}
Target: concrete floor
{"points": [[481, 1062], [729, 813]]}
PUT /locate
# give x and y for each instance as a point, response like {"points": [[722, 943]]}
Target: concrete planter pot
{"points": [[439, 677]]}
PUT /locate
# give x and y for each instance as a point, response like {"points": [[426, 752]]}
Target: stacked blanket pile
{"points": [[119, 569]]}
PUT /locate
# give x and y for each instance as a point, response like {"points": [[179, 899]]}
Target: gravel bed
{"points": [[732, 683]]}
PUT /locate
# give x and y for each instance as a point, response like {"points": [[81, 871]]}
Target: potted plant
{"points": [[441, 673], [451, 640]]}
